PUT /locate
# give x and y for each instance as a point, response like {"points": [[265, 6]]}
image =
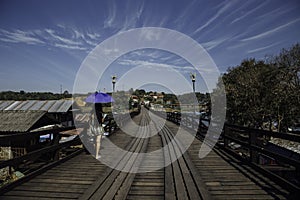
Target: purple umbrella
{"points": [[99, 97]]}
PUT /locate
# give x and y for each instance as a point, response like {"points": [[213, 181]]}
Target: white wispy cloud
{"points": [[60, 37], [154, 55], [167, 58], [19, 36], [224, 7], [185, 14], [236, 46], [93, 36], [177, 61], [267, 33], [140, 10], [278, 12], [132, 19], [112, 13], [262, 48], [214, 43], [78, 34], [156, 65], [111, 51], [74, 47], [249, 12], [146, 53], [150, 35]]}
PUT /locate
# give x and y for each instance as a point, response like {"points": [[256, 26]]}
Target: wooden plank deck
{"points": [[217, 176], [228, 178]]}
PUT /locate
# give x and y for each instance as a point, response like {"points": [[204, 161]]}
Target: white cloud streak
{"points": [[70, 47], [19, 36], [279, 12], [267, 33], [263, 48], [112, 13], [71, 39], [221, 11], [61, 39], [214, 43], [247, 13], [155, 65]]}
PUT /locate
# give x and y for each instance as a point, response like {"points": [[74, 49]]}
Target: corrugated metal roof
{"points": [[38, 105], [55, 106], [13, 105], [19, 121], [28, 105], [47, 105], [51, 106], [66, 105], [20, 105], [4, 104]]}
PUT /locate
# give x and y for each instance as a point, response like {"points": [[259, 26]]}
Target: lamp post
{"points": [[114, 79], [193, 78]]}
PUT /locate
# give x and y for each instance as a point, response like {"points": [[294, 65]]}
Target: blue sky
{"points": [[43, 43]]}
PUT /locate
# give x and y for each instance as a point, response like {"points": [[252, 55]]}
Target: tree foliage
{"points": [[260, 91], [22, 95]]}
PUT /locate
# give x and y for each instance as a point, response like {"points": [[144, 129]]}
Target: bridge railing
{"points": [[253, 146], [256, 147], [39, 156]]}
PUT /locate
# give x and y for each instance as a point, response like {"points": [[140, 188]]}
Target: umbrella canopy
{"points": [[99, 97]]}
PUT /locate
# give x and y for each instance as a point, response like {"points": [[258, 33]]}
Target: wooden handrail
{"points": [[286, 136], [6, 139], [18, 160]]}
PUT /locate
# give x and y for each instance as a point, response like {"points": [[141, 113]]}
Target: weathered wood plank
{"points": [[51, 189], [25, 194], [169, 181]]}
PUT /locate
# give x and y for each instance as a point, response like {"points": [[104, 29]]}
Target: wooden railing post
{"points": [[252, 142], [109, 126], [194, 118], [56, 138], [175, 117], [225, 133], [199, 127], [56, 141]]}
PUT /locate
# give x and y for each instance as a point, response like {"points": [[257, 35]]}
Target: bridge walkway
{"points": [[216, 176]]}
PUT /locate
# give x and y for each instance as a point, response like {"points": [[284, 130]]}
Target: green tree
{"points": [[286, 82], [259, 91]]}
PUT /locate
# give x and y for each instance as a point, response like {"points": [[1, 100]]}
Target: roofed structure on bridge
{"points": [[50, 106], [24, 116], [13, 121]]}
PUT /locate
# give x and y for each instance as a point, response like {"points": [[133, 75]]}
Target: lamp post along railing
{"points": [[193, 78], [114, 79]]}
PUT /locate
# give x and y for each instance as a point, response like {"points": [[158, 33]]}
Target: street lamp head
{"points": [[114, 78], [193, 77]]}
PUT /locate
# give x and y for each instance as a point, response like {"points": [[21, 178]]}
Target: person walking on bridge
{"points": [[97, 117], [96, 129]]}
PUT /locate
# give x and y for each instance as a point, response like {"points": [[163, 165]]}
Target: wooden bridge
{"points": [[222, 174]]}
